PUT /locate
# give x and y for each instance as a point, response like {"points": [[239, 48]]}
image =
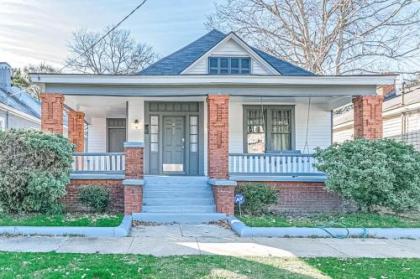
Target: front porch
{"points": [[267, 137]]}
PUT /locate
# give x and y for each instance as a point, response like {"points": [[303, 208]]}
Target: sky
{"points": [[35, 31]]}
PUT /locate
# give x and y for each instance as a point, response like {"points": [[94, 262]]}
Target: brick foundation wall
{"points": [[115, 188], [133, 197], [134, 162], [223, 197], [52, 112], [304, 198], [368, 117], [76, 129], [218, 136]]}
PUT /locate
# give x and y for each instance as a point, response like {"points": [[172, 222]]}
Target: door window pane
{"points": [[193, 133], [154, 133]]}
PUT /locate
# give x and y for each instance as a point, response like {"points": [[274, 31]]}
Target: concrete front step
{"points": [[179, 209], [180, 201], [163, 195], [183, 218]]}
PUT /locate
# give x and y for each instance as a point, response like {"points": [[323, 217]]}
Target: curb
{"points": [[122, 230], [392, 233]]}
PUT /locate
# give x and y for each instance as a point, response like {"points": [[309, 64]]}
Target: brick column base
{"points": [[133, 182], [133, 196], [224, 198]]}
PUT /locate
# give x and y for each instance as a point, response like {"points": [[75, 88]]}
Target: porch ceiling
{"points": [[94, 106]]}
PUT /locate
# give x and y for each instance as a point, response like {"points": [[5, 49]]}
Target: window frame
{"points": [[218, 68], [267, 132]]}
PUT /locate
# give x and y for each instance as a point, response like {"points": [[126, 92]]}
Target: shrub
{"points": [[94, 197], [257, 198], [373, 173], [34, 170]]}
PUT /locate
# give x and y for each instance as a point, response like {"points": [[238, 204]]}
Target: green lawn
{"points": [[365, 220], [52, 265], [84, 220]]}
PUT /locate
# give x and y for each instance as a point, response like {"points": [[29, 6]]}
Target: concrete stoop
{"points": [[178, 199]]}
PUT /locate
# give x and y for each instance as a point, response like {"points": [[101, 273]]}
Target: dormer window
{"points": [[229, 65]]}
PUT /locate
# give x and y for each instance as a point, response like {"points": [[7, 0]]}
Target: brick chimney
{"points": [[5, 75]]}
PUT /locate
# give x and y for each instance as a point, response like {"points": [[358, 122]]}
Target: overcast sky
{"points": [[34, 31]]}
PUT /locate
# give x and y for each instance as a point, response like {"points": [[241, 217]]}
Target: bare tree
{"points": [[329, 36], [118, 53]]}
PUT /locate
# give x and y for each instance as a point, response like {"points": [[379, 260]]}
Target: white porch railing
{"points": [[99, 162], [272, 164]]}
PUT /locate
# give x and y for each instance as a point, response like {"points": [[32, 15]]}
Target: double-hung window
{"points": [[229, 65], [268, 128]]}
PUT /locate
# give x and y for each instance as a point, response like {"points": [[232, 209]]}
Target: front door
{"points": [[173, 153]]}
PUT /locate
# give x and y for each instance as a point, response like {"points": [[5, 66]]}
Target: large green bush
{"points": [[34, 170], [257, 198], [95, 197], [373, 173]]}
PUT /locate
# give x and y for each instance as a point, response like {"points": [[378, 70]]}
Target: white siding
{"points": [[17, 122], [319, 132], [135, 112], [229, 48], [97, 135], [392, 126], [343, 135]]}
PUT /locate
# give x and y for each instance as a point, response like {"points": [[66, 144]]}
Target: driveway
{"points": [[183, 239]]}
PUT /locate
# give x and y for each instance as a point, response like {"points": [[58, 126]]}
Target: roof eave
{"points": [[140, 80]]}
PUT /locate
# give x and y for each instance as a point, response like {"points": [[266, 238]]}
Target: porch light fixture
{"points": [[136, 124]]}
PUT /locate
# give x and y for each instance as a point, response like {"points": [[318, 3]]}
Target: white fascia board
{"points": [[242, 44], [209, 80]]}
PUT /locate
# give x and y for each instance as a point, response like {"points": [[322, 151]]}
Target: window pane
{"points": [[245, 65], [193, 138], [234, 62], [154, 138], [224, 62], [154, 129], [154, 147], [280, 130], [194, 120], [213, 62], [194, 130], [194, 147], [255, 129], [154, 120]]}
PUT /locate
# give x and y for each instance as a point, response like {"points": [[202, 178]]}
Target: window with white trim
{"points": [[229, 65], [268, 128]]}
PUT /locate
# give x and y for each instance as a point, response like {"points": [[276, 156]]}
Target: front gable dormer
{"points": [[232, 55]]}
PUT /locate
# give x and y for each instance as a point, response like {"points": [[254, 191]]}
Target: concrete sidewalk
{"points": [[178, 239]]}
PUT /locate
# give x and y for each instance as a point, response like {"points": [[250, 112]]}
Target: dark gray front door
{"points": [[173, 157]]}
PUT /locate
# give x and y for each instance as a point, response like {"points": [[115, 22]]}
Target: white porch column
{"points": [[135, 120]]}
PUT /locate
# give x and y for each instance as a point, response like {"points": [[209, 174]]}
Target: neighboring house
{"points": [[401, 116], [17, 108], [216, 109]]}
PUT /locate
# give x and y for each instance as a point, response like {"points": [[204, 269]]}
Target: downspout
{"points": [[7, 120]]}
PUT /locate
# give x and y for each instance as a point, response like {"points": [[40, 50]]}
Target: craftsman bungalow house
{"points": [[217, 112]]}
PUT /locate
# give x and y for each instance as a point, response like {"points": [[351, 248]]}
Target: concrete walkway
{"points": [[178, 239]]}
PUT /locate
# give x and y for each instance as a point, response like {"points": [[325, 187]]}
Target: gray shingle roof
{"points": [[177, 62], [19, 99]]}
